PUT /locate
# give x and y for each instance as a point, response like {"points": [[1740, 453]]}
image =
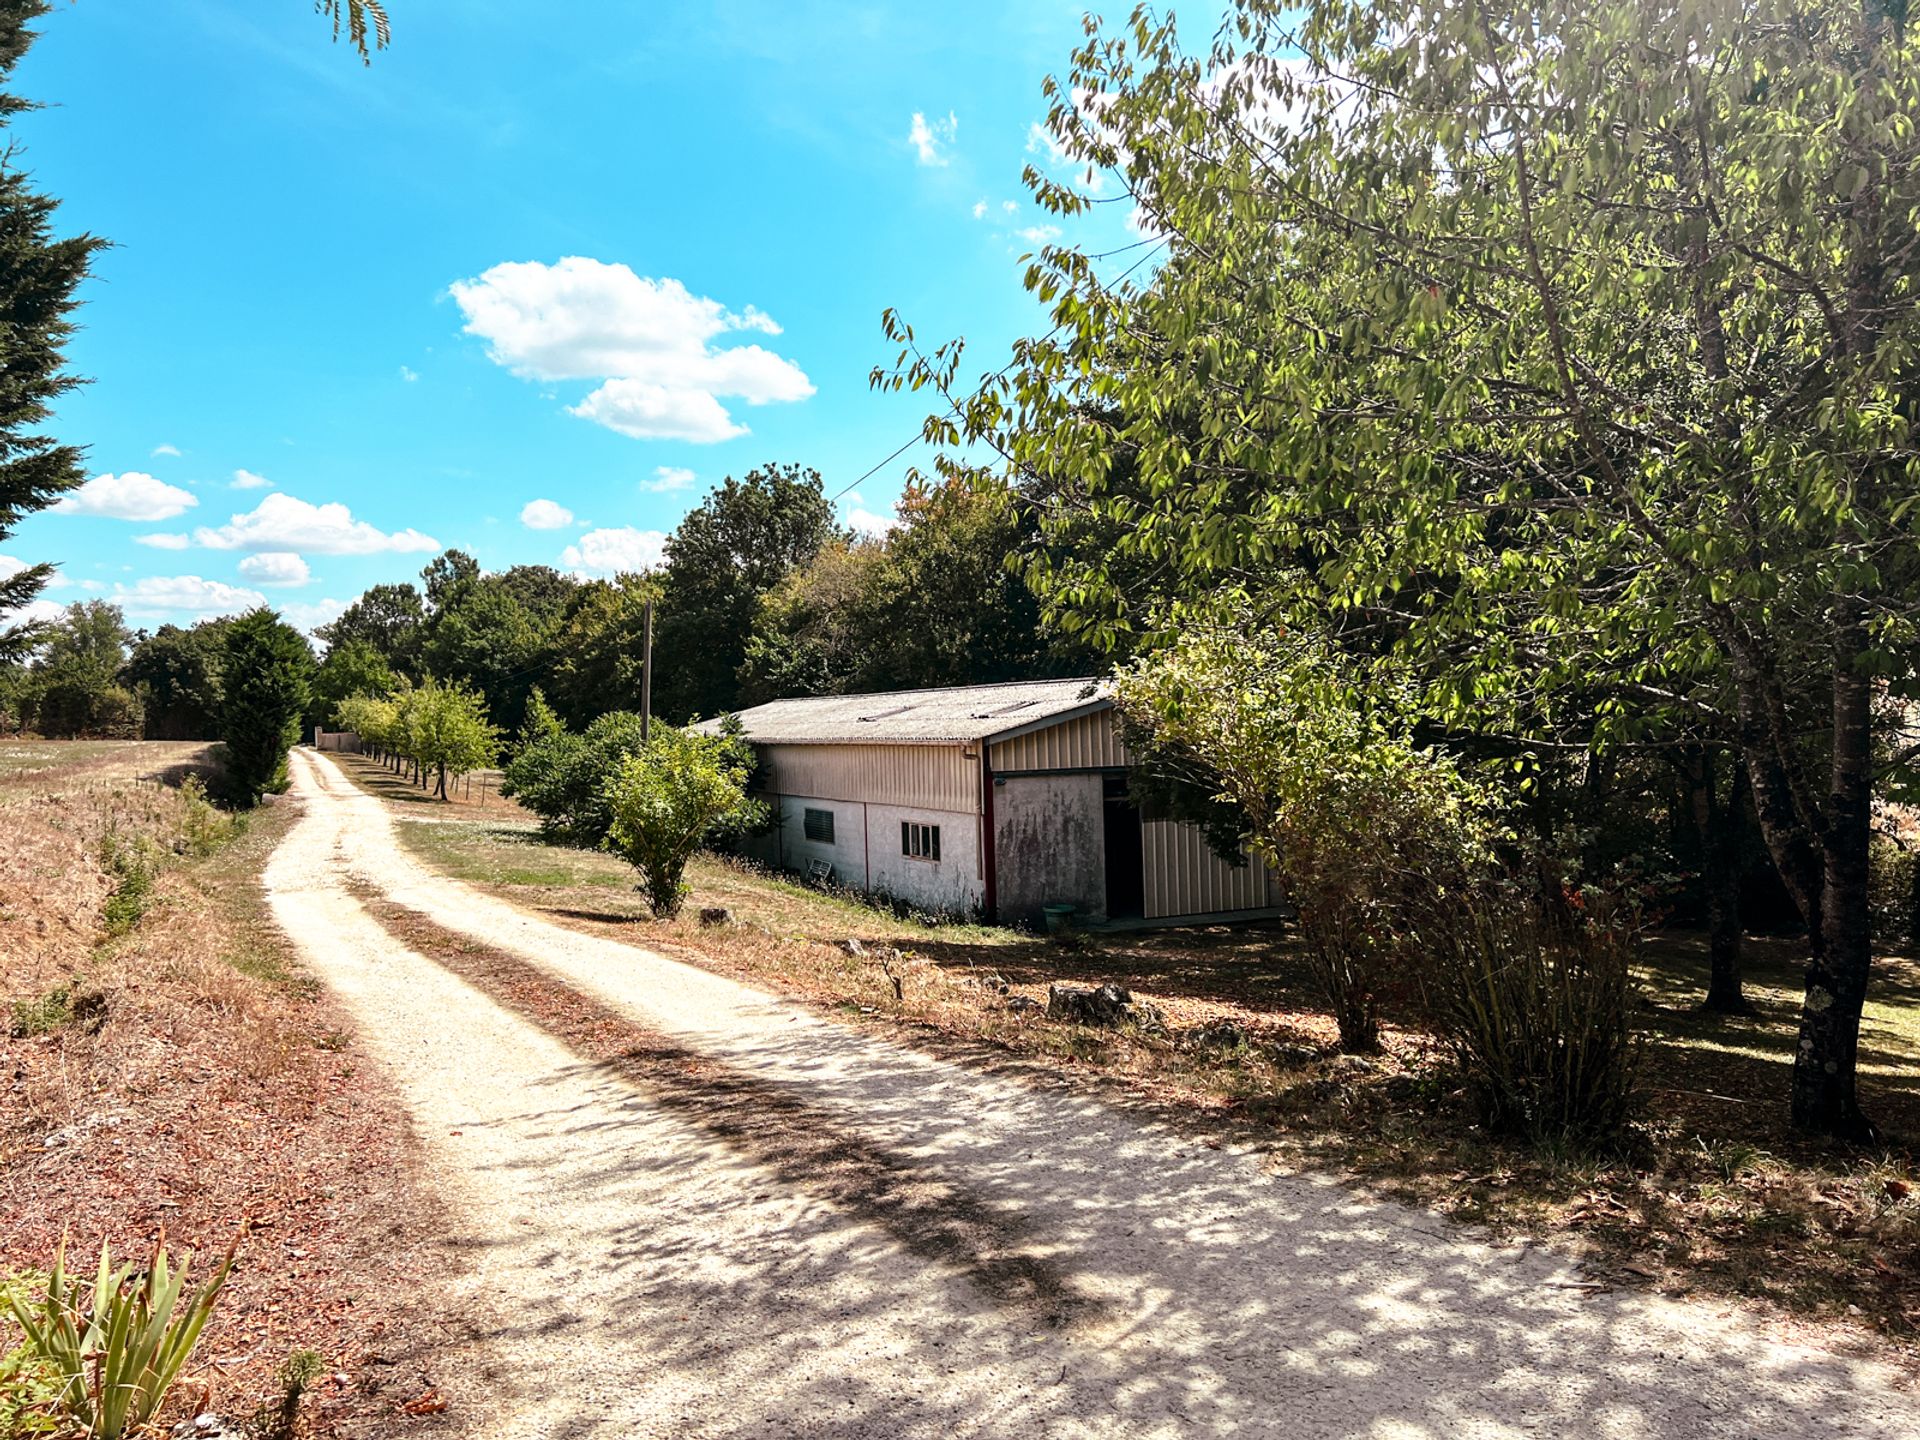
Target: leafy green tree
{"points": [[484, 636], [740, 542], [1370, 830], [445, 576], [596, 648], [1567, 351], [38, 281], [266, 678], [447, 731], [541, 722], [389, 618], [76, 675], [679, 792], [563, 778], [176, 673], [352, 667]]}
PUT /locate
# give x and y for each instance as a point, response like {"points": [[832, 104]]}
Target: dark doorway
{"points": [[1126, 870]]}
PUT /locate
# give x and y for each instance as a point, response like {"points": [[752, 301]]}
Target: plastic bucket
{"points": [[1058, 918]]}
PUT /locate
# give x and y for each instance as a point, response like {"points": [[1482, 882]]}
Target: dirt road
{"points": [[691, 1209]]}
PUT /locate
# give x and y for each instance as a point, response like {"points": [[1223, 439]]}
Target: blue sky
{"points": [[600, 258]]}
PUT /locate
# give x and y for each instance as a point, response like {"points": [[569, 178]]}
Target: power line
{"points": [[1157, 242]]}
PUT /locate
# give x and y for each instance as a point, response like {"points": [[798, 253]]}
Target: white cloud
{"points": [[10, 567], [979, 209], [409, 374], [1009, 207], [160, 596], [275, 567], [545, 515], [161, 540], [34, 612], [927, 138], [160, 450], [282, 522], [669, 477], [1040, 234], [310, 615], [132, 495], [866, 521], [650, 342], [611, 552], [247, 480]]}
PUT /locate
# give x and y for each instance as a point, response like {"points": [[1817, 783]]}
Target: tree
{"points": [[38, 281], [386, 617], [541, 723], [740, 542], [669, 799], [352, 667], [597, 647], [1565, 351], [482, 634], [266, 678], [448, 732], [76, 676], [445, 576], [1370, 830], [563, 778], [365, 22], [176, 673]]}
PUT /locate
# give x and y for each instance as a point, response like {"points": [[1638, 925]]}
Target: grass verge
{"points": [[174, 1070]]}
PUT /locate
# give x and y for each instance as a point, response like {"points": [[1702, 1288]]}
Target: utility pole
{"points": [[646, 679]]}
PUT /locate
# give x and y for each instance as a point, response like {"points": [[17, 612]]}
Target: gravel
{"points": [[625, 1266]]}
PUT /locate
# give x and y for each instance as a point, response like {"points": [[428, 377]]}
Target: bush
{"points": [[668, 800], [265, 678], [563, 778], [1368, 829], [115, 1348], [1537, 1007], [204, 828], [134, 864], [1893, 880]]}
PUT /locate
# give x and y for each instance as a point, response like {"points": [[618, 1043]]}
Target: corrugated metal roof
{"points": [[950, 716]]}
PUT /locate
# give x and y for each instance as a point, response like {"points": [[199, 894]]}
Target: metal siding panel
{"points": [[1088, 743], [934, 777], [1184, 877]]}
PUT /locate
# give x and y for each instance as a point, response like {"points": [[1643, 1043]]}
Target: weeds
{"points": [[280, 1418], [134, 864], [114, 1355], [29, 1385], [204, 827]]}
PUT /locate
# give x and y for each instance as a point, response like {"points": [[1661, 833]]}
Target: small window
{"points": [[919, 842], [818, 825]]}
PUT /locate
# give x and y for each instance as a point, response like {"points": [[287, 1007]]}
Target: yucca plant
{"points": [[116, 1350]]}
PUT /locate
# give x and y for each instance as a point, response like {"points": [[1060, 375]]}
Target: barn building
{"points": [[989, 799]]}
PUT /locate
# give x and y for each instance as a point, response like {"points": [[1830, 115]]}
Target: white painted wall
{"points": [[866, 850]]}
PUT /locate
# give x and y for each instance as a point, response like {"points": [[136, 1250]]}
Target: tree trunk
{"points": [[1825, 1098], [1719, 828], [443, 781]]}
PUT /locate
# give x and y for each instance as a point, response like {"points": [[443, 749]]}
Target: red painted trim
{"points": [[986, 834]]}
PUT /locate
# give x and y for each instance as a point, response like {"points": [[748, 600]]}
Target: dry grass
{"points": [[189, 1079], [1712, 1194]]}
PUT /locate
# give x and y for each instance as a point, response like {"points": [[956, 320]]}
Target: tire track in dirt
{"points": [[665, 1280], [801, 1145]]}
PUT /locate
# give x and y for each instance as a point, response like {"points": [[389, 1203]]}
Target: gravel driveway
{"points": [[689, 1208]]}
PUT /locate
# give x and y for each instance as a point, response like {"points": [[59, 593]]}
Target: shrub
{"points": [[1537, 1007], [563, 777], [280, 1419], [114, 1349], [1893, 880], [1368, 829], [669, 799], [265, 679], [134, 864], [204, 827], [43, 1014]]}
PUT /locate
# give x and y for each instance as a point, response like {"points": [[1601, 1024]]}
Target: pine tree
{"points": [[38, 279]]}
